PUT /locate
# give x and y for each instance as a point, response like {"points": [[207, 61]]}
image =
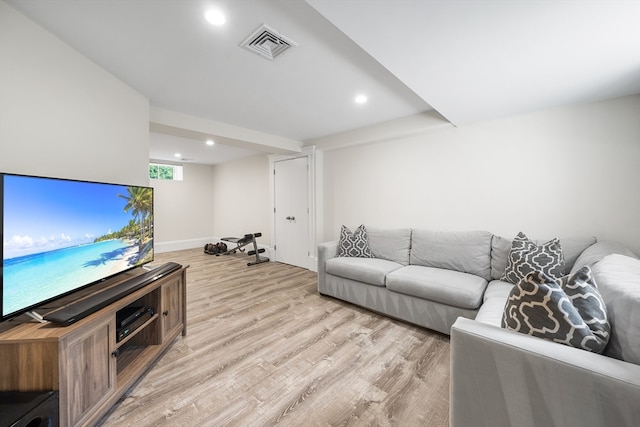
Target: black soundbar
{"points": [[81, 309]]}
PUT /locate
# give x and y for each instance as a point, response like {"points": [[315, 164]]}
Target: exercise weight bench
{"points": [[241, 242]]}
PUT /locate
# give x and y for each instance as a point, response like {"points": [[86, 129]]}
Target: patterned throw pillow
{"points": [[568, 311], [525, 257], [354, 244]]}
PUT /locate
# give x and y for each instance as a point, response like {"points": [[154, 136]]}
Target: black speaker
{"points": [[29, 409]]}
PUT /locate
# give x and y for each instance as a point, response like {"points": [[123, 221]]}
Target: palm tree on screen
{"points": [[140, 203]]}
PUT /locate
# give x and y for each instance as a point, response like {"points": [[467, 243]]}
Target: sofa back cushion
{"points": [[465, 251], [572, 247], [500, 248], [392, 244]]}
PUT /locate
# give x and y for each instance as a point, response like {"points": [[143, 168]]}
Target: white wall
{"points": [[241, 198], [564, 172], [61, 115], [227, 200], [183, 210]]}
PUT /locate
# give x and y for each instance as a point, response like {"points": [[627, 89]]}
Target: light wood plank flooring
{"points": [[264, 348]]}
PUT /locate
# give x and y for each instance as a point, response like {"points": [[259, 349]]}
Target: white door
{"points": [[291, 215]]}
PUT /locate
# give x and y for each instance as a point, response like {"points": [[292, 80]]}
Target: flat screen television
{"points": [[60, 236]]}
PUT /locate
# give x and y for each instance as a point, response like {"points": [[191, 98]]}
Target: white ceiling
{"points": [[471, 60], [477, 60], [163, 148]]}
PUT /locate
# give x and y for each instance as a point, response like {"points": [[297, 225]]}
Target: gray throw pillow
{"points": [[568, 311], [354, 244], [526, 257]]}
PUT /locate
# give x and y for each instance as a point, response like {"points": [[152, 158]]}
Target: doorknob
{"points": [[291, 218], [288, 218]]}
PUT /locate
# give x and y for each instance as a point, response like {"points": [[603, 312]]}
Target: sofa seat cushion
{"points": [[367, 270], [498, 289], [493, 302], [491, 311], [440, 285]]}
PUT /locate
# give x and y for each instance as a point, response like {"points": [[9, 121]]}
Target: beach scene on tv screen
{"points": [[62, 235]]}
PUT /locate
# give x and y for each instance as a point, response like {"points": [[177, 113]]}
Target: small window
{"points": [[169, 172]]}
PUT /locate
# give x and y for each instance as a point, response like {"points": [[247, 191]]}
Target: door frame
{"points": [[312, 202]]}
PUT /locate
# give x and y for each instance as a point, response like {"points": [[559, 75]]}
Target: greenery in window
{"points": [[161, 171]]}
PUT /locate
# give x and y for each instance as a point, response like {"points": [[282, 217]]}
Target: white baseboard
{"points": [[178, 245], [313, 264]]}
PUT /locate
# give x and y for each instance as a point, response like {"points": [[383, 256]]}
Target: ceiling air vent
{"points": [[267, 42]]}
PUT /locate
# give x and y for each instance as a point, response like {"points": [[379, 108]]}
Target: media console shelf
{"points": [[84, 361]]}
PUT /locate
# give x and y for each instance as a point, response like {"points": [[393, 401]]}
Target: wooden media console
{"points": [[84, 362]]}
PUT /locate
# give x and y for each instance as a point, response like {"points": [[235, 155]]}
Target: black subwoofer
{"points": [[29, 409]]}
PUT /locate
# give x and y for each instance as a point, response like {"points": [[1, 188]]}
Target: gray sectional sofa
{"points": [[429, 278], [450, 282], [424, 277]]}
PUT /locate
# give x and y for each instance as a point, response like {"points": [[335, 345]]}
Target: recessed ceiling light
{"points": [[215, 17], [210, 142], [177, 155], [361, 99]]}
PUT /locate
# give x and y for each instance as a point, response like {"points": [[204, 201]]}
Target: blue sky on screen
{"points": [[42, 214]]}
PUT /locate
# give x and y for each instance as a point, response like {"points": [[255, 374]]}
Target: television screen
{"points": [[59, 236]]}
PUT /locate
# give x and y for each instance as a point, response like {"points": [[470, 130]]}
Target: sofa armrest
{"points": [[599, 250], [505, 378], [326, 251]]}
